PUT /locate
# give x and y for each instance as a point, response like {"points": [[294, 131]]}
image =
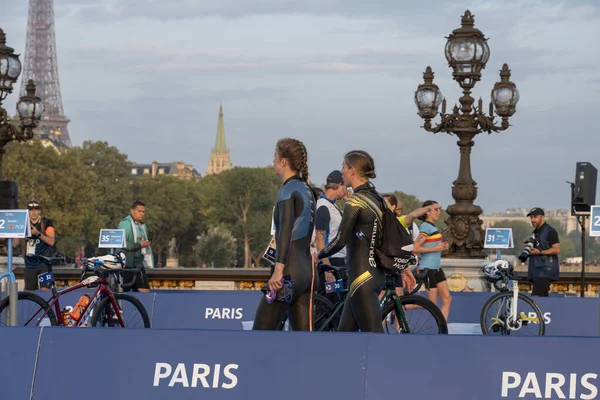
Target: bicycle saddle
{"points": [[325, 267], [422, 274]]}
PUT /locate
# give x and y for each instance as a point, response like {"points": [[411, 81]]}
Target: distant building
{"points": [[219, 155], [564, 217], [177, 169]]}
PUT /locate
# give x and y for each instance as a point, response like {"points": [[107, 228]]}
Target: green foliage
{"points": [[84, 189], [217, 246]]}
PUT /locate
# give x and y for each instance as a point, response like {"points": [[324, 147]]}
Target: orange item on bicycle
{"points": [[80, 306]]}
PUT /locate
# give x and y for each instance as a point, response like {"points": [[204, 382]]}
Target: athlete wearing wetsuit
{"points": [[362, 310], [294, 224]]}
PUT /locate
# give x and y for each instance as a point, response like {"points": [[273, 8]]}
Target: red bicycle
{"points": [[104, 307]]}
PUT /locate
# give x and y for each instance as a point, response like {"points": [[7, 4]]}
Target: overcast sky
{"points": [[147, 76]]}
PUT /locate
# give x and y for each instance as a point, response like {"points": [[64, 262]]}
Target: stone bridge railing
{"points": [[462, 275]]}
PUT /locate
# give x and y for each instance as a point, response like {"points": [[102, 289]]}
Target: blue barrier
{"points": [[198, 364], [17, 362], [214, 309], [564, 316], [227, 310], [482, 367], [188, 364]]}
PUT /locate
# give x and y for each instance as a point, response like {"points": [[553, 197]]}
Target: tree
{"points": [[112, 170], [168, 209], [59, 181], [248, 197], [217, 247]]}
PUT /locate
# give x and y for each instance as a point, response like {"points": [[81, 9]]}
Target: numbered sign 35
{"points": [[111, 239], [595, 221], [14, 224]]}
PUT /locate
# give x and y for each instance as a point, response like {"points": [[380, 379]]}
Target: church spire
{"points": [[220, 146], [219, 155]]}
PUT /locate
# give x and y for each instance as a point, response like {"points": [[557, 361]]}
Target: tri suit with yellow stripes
{"points": [[362, 310]]}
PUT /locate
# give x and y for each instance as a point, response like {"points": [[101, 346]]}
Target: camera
{"points": [[529, 243]]}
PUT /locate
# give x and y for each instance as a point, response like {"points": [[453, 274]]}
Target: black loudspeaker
{"points": [[9, 195], [584, 192]]}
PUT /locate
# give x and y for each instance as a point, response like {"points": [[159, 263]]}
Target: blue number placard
{"points": [[595, 221], [111, 239], [46, 278], [498, 238], [14, 224], [336, 286]]}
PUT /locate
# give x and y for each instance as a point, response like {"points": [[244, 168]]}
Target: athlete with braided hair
{"points": [[294, 224]]}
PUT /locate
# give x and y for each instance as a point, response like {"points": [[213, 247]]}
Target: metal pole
{"points": [[582, 256], [12, 289]]}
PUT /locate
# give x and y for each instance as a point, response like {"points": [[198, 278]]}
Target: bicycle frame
{"points": [[390, 294], [101, 291]]}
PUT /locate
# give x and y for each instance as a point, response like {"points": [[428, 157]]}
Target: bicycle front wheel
{"points": [[30, 309], [497, 319], [133, 314], [421, 315]]}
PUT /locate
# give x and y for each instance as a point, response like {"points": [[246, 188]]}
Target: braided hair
{"points": [[362, 162], [295, 152]]}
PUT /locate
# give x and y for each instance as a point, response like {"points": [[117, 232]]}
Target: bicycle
{"points": [[104, 308], [390, 303], [509, 317]]}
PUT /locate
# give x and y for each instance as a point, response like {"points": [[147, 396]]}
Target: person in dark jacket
{"points": [[543, 256]]}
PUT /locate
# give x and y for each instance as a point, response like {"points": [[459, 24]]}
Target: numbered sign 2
{"points": [[595, 221], [111, 239], [498, 238], [14, 224]]}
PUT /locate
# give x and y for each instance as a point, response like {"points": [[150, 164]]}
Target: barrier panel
{"points": [[188, 364], [214, 309], [17, 362], [482, 367], [564, 316], [228, 310]]}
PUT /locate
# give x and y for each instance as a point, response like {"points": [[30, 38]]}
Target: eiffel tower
{"points": [[41, 65]]}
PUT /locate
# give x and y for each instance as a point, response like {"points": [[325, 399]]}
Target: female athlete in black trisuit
{"points": [[294, 224], [362, 310]]}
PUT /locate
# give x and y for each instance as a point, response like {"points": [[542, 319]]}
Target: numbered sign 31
{"points": [[14, 224], [111, 239], [498, 238], [595, 221]]}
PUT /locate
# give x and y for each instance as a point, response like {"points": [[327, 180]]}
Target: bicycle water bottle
{"points": [[80, 306]]}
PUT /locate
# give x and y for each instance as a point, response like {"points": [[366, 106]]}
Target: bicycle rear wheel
{"points": [[529, 322], [132, 312], [422, 316], [30, 308], [322, 309]]}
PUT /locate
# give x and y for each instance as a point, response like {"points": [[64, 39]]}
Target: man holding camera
{"points": [[543, 253]]}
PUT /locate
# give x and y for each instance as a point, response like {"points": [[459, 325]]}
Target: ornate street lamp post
{"points": [[29, 107], [467, 53]]}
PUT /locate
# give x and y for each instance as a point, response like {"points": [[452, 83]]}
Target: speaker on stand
{"points": [[9, 195], [583, 197]]}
